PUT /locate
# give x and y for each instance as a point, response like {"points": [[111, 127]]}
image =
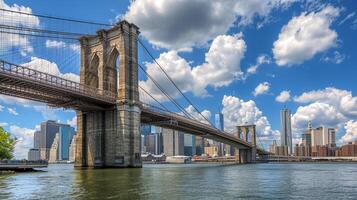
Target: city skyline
{"points": [[264, 77]]}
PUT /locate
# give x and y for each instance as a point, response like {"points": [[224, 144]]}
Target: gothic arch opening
{"points": [[249, 136], [91, 76], [112, 70]]}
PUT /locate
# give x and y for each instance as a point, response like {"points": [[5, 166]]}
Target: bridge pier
{"points": [[110, 137], [248, 134]]}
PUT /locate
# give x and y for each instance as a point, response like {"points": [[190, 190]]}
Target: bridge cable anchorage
{"points": [[165, 93], [170, 79]]}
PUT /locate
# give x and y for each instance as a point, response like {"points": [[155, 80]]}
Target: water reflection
{"points": [[259, 181]]}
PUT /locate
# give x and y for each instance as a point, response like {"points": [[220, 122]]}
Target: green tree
{"points": [[6, 145]]}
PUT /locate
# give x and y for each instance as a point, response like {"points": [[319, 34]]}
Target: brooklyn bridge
{"points": [[108, 100]]}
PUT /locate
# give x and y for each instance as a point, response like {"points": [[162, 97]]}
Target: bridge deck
{"points": [[158, 117], [23, 82]]}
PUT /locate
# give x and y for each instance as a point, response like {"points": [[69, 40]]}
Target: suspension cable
{"points": [[170, 79], [56, 18], [166, 94]]}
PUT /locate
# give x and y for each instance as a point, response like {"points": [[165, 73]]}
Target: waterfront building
{"points": [[323, 136], [66, 133], [36, 139], [200, 145], [33, 154], [143, 147], [53, 155], [299, 150], [173, 142], [159, 149], [150, 143], [46, 135], [281, 150], [72, 149], [285, 124], [219, 124], [272, 147], [48, 131], [347, 150], [189, 145], [211, 150]]}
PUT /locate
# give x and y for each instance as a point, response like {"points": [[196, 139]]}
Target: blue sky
{"points": [[305, 48]]}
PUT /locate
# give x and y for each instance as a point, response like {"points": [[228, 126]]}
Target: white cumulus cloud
{"points": [[304, 36], [21, 42], [221, 68], [351, 132], [329, 107], [262, 88], [50, 68], [181, 25], [284, 96], [239, 112], [24, 140]]}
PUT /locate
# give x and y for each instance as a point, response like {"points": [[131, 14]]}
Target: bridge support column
{"points": [[110, 137]]}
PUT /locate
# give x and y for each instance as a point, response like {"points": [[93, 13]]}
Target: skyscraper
{"points": [[36, 139], [219, 124], [190, 145], [46, 135], [66, 133], [285, 124], [173, 142]]}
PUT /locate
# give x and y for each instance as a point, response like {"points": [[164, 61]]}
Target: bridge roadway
{"points": [[23, 82]]}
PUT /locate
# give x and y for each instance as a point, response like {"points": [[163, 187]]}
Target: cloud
{"points": [[46, 111], [284, 96], [3, 124], [1, 108], [262, 59], [73, 122], [349, 16], [249, 10], [351, 132], [304, 36], [50, 68], [24, 140], [319, 113], [337, 58], [55, 44], [239, 112], [206, 114], [330, 107], [342, 100], [181, 25], [12, 111], [60, 44], [21, 42], [262, 88], [221, 68]]}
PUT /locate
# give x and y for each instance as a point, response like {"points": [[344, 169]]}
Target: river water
{"points": [[190, 181]]}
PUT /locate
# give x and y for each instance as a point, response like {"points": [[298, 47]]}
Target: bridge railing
{"points": [[38, 76]]}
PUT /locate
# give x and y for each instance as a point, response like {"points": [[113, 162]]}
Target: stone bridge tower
{"points": [[110, 137], [248, 134]]}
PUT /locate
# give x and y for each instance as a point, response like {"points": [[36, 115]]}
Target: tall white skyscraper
{"points": [[285, 124], [219, 123]]}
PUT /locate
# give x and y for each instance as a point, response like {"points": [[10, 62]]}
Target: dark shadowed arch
{"points": [[91, 76]]}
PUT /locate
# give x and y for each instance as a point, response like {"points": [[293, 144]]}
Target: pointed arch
{"points": [[91, 77], [112, 70]]}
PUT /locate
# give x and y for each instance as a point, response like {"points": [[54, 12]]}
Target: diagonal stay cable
{"points": [[170, 79], [165, 93]]}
